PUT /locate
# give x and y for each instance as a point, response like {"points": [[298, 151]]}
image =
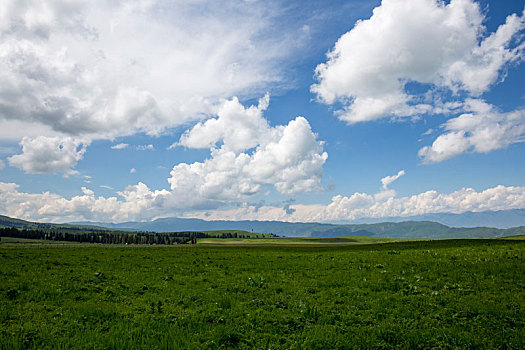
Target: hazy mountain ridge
{"points": [[498, 219], [398, 228], [403, 229]]}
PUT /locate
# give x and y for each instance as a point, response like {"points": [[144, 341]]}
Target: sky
{"points": [[328, 111]]}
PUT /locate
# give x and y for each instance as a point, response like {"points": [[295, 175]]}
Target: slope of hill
{"points": [[6, 221]]}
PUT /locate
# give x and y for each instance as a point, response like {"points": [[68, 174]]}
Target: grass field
{"points": [[298, 240], [415, 294]]}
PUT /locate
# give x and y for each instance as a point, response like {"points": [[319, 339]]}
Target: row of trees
{"points": [[107, 237]]}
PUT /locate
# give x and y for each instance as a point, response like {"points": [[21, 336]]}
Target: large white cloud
{"points": [[102, 68], [49, 155], [424, 41], [482, 129], [246, 154]]}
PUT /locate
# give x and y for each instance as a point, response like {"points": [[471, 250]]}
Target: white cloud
{"points": [[482, 130], [120, 146], [145, 147], [425, 41], [132, 170], [428, 132], [363, 205], [467, 199], [106, 187], [15, 130], [387, 180], [49, 155], [237, 127], [287, 157], [386, 193], [102, 69], [138, 202], [251, 154]]}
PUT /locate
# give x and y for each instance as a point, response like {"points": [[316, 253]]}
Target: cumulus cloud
{"points": [[49, 155], [482, 130], [246, 154], [361, 205], [424, 41], [120, 146], [237, 127], [132, 170], [135, 203]]}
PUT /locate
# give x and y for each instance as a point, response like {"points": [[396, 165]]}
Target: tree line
{"points": [[117, 237]]}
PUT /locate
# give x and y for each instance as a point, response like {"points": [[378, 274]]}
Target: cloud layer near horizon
{"points": [[140, 203]]}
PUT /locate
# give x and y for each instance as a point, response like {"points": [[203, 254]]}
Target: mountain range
{"points": [[490, 224], [414, 228], [405, 229], [498, 219]]}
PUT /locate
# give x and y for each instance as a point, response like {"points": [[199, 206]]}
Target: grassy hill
{"points": [[6, 221]]}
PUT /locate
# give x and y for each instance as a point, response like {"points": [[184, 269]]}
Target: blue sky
{"points": [[294, 111]]}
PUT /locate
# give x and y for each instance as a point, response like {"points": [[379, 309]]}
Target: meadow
{"points": [[445, 294]]}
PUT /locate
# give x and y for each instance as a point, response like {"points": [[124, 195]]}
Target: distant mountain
{"points": [[405, 229], [498, 219]]}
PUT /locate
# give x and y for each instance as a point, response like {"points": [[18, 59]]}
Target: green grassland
{"points": [[13, 241], [298, 240], [466, 294]]}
